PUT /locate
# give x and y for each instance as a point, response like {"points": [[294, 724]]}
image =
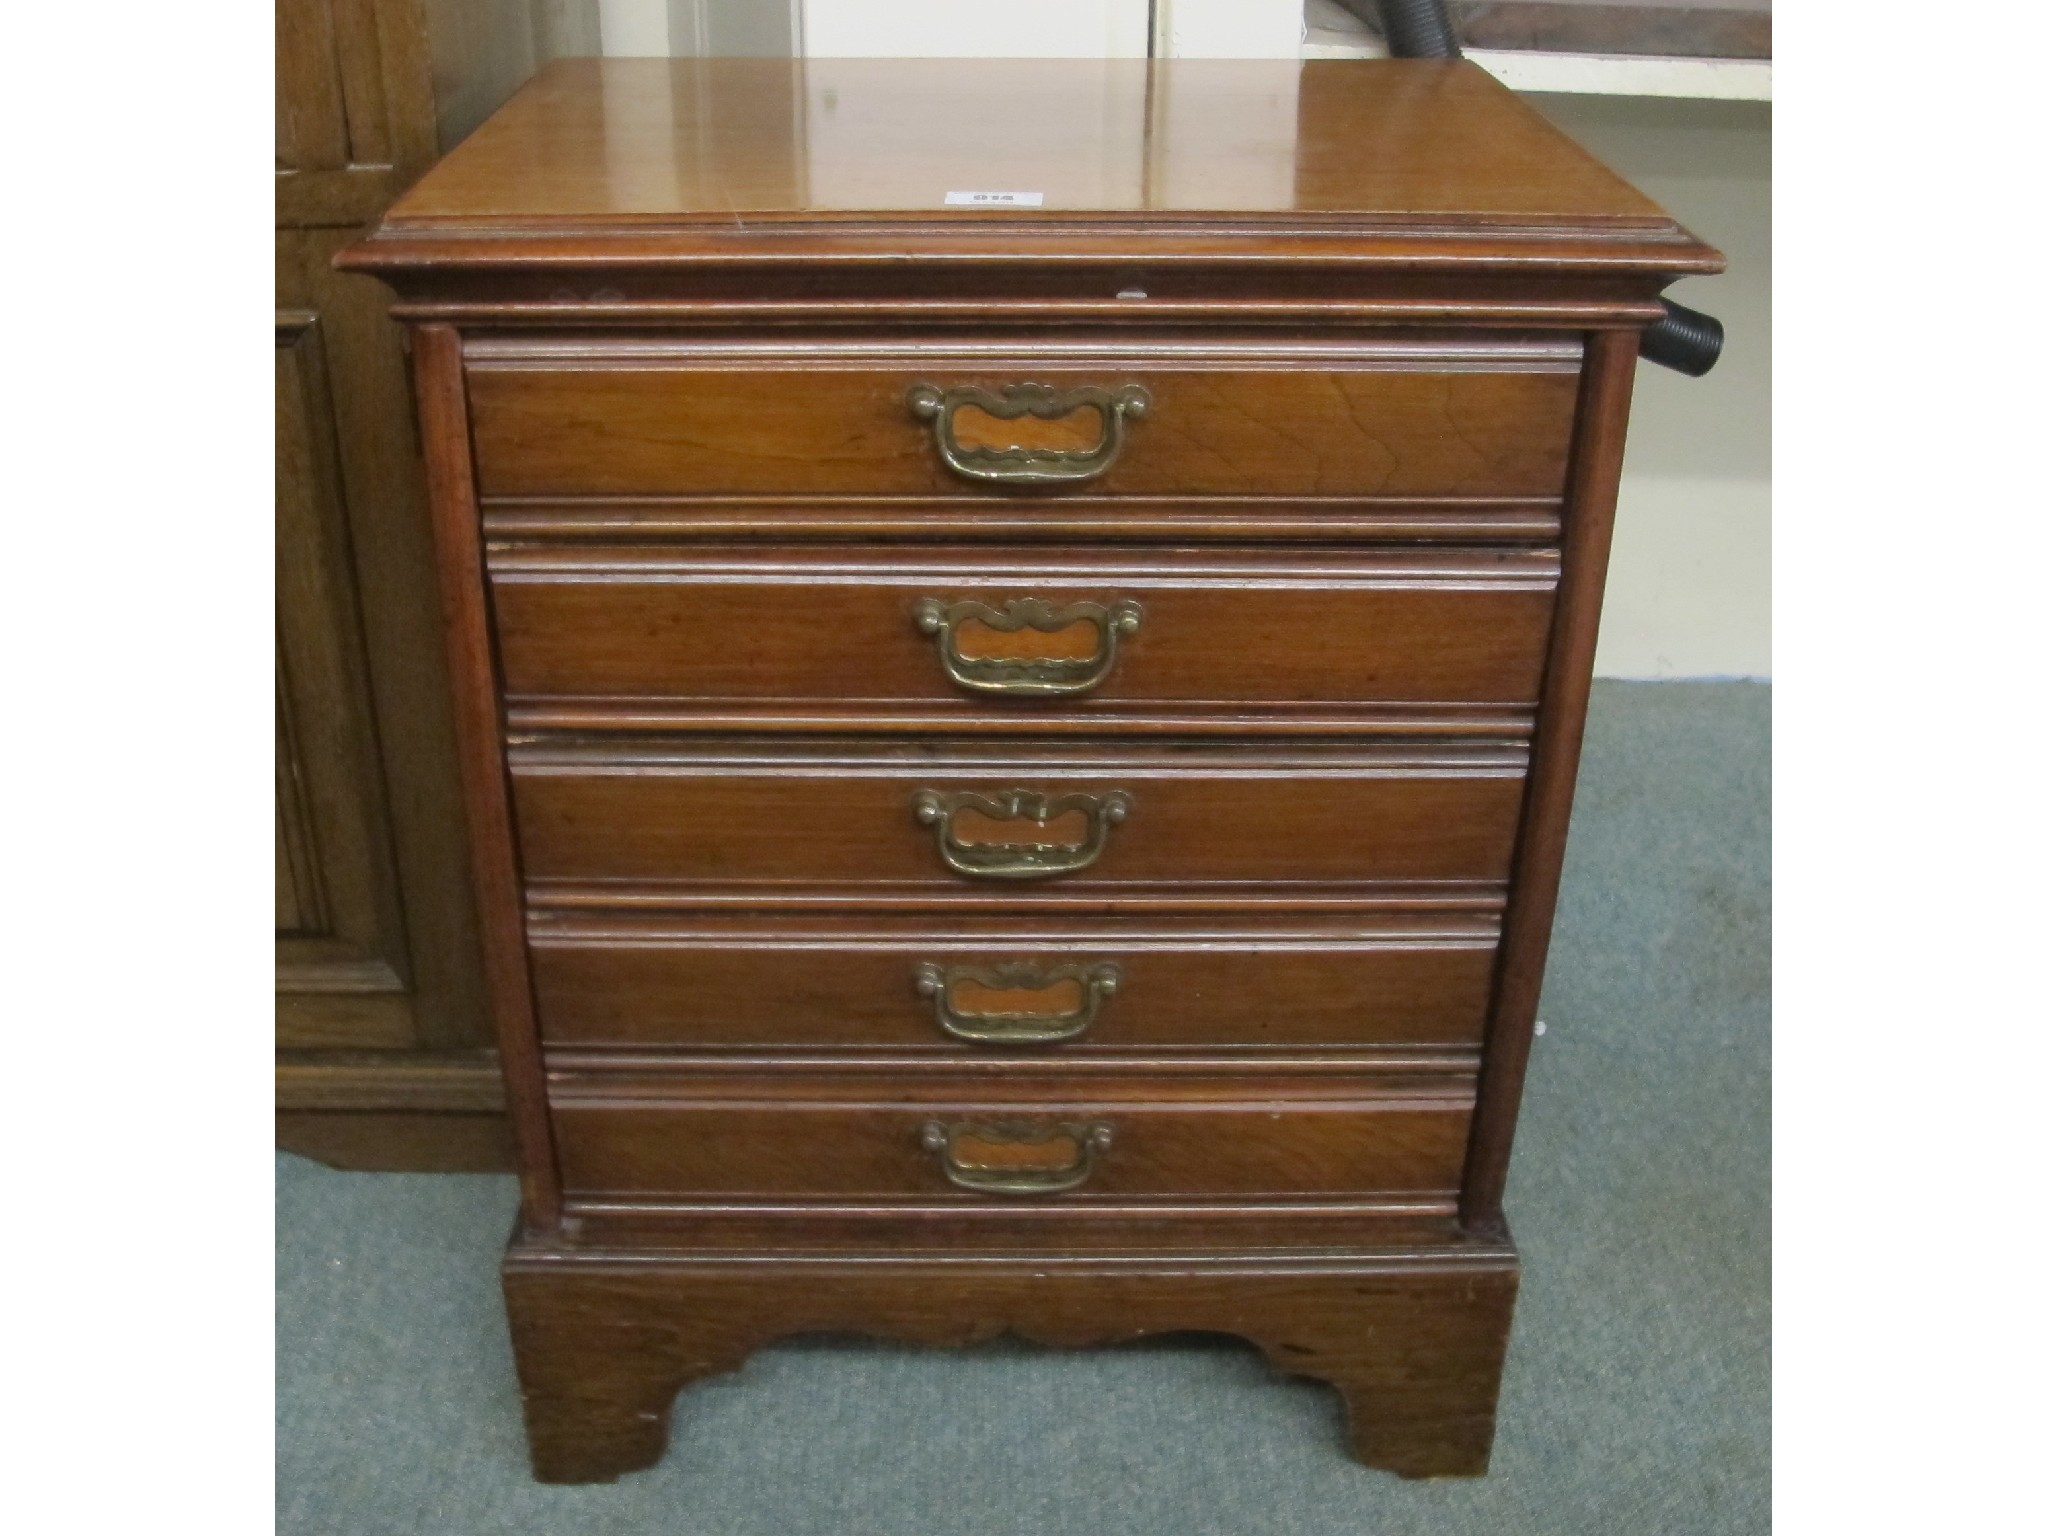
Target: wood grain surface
{"points": [[494, 856], [1222, 193], [855, 1135], [674, 141], [1413, 1340], [629, 981], [631, 425], [1068, 517], [799, 815], [836, 630]]}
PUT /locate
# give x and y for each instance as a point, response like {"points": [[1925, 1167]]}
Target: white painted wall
{"points": [[1689, 591]]}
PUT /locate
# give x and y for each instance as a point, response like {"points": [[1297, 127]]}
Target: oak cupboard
{"points": [[385, 1056]]}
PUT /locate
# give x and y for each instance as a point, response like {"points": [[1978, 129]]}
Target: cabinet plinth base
{"points": [[1413, 1339]]}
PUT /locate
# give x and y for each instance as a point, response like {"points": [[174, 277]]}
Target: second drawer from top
{"points": [[634, 632]]}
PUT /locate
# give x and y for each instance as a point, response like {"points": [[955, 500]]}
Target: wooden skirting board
{"points": [[431, 1115]]}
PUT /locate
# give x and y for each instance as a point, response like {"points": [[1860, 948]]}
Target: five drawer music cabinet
{"points": [[1021, 630]]}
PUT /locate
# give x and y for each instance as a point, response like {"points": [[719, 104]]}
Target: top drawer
{"points": [[1399, 419]]}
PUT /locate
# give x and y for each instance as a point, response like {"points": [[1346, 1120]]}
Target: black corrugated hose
{"points": [[1419, 29], [1684, 339]]}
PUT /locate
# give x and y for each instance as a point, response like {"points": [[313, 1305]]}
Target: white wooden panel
{"points": [[972, 29], [633, 29], [1227, 29]]}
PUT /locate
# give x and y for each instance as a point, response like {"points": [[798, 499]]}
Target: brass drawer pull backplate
{"points": [[1016, 1157], [1028, 466], [1023, 859], [1033, 676], [1039, 1027]]}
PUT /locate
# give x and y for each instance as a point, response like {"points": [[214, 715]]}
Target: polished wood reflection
{"points": [[723, 138]]}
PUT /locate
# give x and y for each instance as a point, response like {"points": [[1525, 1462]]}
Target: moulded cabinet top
{"points": [[1377, 144]]}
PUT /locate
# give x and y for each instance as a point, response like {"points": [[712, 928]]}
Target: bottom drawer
{"points": [[953, 1137]]}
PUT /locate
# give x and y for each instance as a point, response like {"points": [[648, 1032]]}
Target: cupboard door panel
{"points": [[347, 933]]}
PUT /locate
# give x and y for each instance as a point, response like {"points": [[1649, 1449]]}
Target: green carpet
{"points": [[1637, 1396]]}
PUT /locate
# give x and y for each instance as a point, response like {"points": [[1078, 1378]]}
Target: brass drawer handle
{"points": [[1029, 466], [1021, 860], [1016, 1157], [1044, 1027], [1027, 676]]}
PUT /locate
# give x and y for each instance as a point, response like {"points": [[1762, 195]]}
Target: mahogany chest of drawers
{"points": [[1021, 634]]}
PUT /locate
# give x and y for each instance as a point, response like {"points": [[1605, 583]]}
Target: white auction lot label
{"points": [[996, 199]]}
